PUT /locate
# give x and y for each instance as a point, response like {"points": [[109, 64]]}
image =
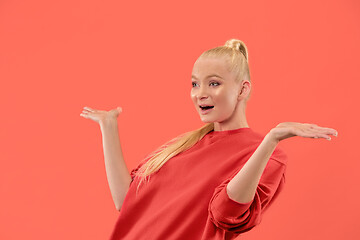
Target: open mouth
{"points": [[206, 107]]}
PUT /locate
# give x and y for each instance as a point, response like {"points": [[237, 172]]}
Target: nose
{"points": [[202, 93]]}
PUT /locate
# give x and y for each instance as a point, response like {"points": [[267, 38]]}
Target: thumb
{"points": [[119, 109]]}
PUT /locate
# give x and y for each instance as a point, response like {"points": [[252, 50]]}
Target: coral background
{"points": [[57, 57]]}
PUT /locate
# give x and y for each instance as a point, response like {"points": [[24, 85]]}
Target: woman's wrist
{"points": [[271, 138], [108, 122]]}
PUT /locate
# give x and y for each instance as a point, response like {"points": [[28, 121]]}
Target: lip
{"points": [[205, 105], [203, 112]]}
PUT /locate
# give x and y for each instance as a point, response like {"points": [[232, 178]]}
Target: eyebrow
{"points": [[211, 75]]}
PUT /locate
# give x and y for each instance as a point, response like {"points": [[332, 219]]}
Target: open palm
{"points": [[290, 129], [100, 115]]}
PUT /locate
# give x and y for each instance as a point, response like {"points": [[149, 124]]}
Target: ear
{"points": [[244, 89]]}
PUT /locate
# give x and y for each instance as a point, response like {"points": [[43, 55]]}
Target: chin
{"points": [[205, 120]]}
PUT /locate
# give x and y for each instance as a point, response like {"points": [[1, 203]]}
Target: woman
{"points": [[211, 183]]}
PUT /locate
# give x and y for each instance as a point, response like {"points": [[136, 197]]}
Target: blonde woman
{"points": [[215, 182]]}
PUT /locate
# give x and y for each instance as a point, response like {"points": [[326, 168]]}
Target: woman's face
{"points": [[213, 85]]}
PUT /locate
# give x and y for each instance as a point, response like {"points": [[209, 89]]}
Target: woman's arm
{"points": [[243, 186], [117, 173]]}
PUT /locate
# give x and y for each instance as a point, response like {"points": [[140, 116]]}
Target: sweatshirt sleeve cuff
{"points": [[228, 207]]}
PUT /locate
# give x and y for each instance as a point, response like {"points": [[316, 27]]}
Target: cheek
{"points": [[227, 100], [192, 96], [223, 97]]}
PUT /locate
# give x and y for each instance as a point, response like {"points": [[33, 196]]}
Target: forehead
{"points": [[205, 66]]}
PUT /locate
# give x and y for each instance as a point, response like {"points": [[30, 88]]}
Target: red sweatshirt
{"points": [[187, 198]]}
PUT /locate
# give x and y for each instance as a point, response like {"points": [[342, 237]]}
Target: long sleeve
{"points": [[238, 217]]}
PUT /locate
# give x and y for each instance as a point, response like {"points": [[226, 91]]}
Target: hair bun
{"points": [[238, 45]]}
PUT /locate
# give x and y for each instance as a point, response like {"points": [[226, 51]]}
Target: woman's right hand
{"points": [[100, 116]]}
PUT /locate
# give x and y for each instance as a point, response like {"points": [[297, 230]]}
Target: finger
{"points": [[317, 133], [86, 111], [321, 136], [306, 133], [330, 130], [89, 109], [324, 136], [89, 112], [84, 115], [312, 133], [323, 130]]}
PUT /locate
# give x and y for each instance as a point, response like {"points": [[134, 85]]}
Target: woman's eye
{"points": [[212, 83], [215, 83]]}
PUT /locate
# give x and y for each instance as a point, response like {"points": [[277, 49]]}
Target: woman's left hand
{"points": [[290, 129]]}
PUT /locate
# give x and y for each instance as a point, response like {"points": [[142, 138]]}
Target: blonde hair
{"points": [[233, 50], [236, 55]]}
